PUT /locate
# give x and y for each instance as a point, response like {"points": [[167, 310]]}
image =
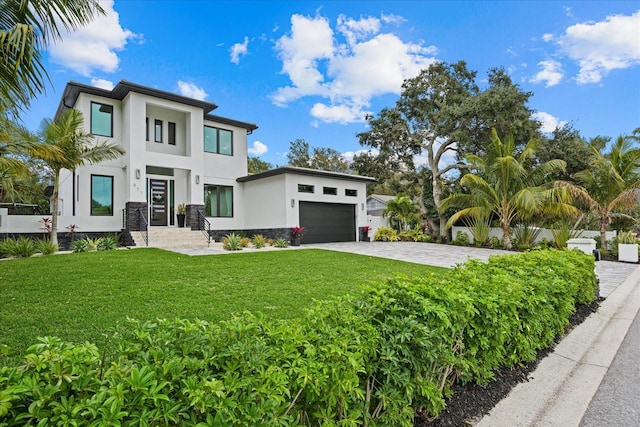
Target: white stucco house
{"points": [[178, 152]]}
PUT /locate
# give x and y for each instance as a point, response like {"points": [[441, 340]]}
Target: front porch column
{"points": [[192, 215], [132, 215]]}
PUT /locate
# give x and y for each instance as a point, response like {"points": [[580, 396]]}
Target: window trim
{"points": [[91, 119], [157, 123], [218, 192], [91, 195]]}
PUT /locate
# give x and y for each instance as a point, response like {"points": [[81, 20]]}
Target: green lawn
{"points": [[79, 297]]}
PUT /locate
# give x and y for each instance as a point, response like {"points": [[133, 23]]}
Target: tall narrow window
{"points": [[218, 201], [172, 133], [147, 128], [158, 131], [226, 142], [101, 119], [101, 195]]}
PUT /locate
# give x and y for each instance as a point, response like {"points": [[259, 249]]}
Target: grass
{"points": [[79, 297]]}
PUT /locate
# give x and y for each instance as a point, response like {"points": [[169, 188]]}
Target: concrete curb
{"points": [[561, 388]]}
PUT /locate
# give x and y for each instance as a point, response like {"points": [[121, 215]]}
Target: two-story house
{"points": [[178, 152]]}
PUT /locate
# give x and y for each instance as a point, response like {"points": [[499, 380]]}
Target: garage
{"points": [[328, 222]]}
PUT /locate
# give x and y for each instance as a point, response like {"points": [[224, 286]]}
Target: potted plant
{"points": [[365, 233], [627, 247], [296, 235], [182, 214]]}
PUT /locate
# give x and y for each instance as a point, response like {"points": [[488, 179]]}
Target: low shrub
{"points": [[373, 358], [78, 246], [107, 243], [232, 242], [386, 234], [280, 243], [22, 247], [245, 242], [462, 239], [414, 235], [258, 241], [45, 247]]}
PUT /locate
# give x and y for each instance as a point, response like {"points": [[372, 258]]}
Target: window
{"points": [[305, 188], [172, 133], [158, 131], [147, 128], [351, 193], [218, 201], [332, 191], [101, 119], [219, 141], [101, 195]]}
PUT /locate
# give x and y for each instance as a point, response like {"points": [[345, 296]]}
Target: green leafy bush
{"points": [[414, 235], [495, 242], [245, 242], [259, 241], [78, 246], [280, 243], [107, 243], [45, 247], [232, 242], [372, 358], [386, 234], [22, 247], [462, 239]]}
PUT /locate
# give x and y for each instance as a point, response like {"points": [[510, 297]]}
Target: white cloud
{"points": [[191, 90], [549, 123], [551, 73], [102, 84], [547, 37], [94, 46], [600, 47], [239, 49], [257, 149], [347, 67], [349, 155]]}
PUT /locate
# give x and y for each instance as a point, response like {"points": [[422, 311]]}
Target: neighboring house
{"points": [[376, 204], [178, 152]]}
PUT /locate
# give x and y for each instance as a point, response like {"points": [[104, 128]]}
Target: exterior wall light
{"points": [[197, 179], [361, 206], [137, 173], [293, 203]]}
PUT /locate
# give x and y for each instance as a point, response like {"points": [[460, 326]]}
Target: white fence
{"points": [[544, 233]]}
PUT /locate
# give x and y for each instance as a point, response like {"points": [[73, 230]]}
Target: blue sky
{"points": [[312, 69]]}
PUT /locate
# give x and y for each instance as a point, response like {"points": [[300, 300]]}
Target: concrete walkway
{"points": [[598, 358]]}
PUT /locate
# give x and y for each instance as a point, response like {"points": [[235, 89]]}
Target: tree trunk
{"points": [[604, 222], [53, 234], [437, 195]]}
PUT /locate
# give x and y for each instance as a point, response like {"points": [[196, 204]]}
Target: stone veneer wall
{"points": [[132, 215], [191, 219]]}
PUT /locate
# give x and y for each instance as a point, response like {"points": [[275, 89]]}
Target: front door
{"points": [[158, 202]]}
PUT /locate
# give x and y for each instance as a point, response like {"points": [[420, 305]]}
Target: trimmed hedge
{"points": [[375, 358]]}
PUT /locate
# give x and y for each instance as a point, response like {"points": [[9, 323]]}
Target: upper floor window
{"points": [[350, 192], [147, 128], [101, 195], [157, 134], [101, 119], [219, 141], [172, 133]]}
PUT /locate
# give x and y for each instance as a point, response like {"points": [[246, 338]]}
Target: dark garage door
{"points": [[327, 222]]}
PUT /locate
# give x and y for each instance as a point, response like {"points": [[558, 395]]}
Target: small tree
{"points": [[402, 212], [75, 148], [501, 184]]}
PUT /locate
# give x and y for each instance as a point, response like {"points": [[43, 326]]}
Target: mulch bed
{"points": [[470, 402]]}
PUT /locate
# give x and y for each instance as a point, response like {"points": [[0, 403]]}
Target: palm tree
{"points": [[504, 186], [402, 211], [26, 27], [76, 148], [611, 182]]}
